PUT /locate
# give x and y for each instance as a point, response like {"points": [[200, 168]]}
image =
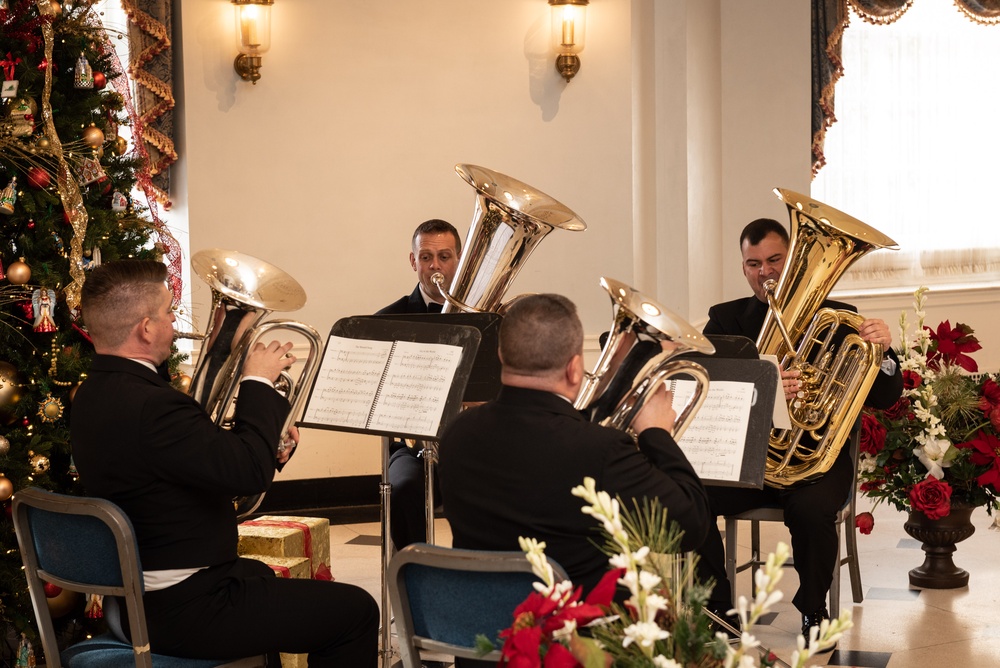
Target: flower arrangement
{"points": [[662, 623], [938, 444]]}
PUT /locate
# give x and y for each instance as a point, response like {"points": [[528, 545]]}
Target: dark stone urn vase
{"points": [[939, 537]]}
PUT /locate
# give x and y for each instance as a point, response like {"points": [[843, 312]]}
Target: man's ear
{"points": [[142, 330], [413, 261], [574, 370]]}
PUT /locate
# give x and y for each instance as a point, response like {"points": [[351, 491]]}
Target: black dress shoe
{"points": [[720, 610], [815, 619]]}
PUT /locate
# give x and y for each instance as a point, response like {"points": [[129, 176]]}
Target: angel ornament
{"points": [[44, 301]]}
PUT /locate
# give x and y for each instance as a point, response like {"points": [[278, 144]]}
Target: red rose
{"points": [[911, 379], [932, 497], [864, 522], [989, 402], [898, 410], [870, 486], [872, 434]]}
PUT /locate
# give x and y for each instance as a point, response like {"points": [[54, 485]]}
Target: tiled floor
{"points": [[895, 627]]}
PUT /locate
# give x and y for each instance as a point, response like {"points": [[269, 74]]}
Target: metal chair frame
{"points": [[506, 571], [88, 545]]}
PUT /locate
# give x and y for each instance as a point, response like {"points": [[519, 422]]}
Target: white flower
{"points": [[644, 634], [867, 463], [932, 454], [661, 661], [649, 580], [569, 627]]}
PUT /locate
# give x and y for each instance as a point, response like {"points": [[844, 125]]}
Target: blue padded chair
{"points": [[443, 598], [845, 526], [86, 544]]}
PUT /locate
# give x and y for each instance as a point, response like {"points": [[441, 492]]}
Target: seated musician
{"points": [[435, 248], [507, 467], [154, 452], [810, 509]]}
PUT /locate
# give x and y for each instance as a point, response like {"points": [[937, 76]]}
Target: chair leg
{"points": [[835, 583], [853, 563], [755, 560], [731, 549]]}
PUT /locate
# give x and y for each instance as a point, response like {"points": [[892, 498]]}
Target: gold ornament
{"points": [[39, 463], [120, 145], [56, 8], [11, 385], [18, 272], [4, 446], [182, 382], [43, 143], [64, 602], [50, 408], [93, 136], [6, 488]]}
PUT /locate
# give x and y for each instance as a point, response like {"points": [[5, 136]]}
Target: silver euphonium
{"points": [[511, 219], [632, 360], [245, 290]]}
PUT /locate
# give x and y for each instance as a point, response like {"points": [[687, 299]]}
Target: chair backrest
{"points": [[444, 597], [81, 544]]}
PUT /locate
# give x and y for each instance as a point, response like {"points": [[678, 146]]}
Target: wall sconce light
{"points": [[569, 30], [253, 30]]}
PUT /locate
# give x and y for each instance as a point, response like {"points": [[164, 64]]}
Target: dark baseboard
{"points": [[343, 500]]}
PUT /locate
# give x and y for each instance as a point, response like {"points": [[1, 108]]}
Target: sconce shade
{"points": [[569, 33], [253, 36]]}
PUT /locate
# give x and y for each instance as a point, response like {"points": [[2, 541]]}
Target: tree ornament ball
{"points": [[51, 590], [56, 8], [120, 145], [93, 136], [38, 178], [64, 603], [18, 272], [182, 382], [39, 464], [6, 488], [11, 386], [43, 143], [4, 446], [100, 81]]}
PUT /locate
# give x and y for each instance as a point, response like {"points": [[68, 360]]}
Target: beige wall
{"points": [[683, 117]]}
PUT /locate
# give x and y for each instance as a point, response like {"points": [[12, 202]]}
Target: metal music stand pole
{"points": [[430, 457], [386, 652]]}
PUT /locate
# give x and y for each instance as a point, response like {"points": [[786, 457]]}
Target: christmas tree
{"points": [[65, 181]]}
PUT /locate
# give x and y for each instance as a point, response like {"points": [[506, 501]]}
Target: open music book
{"points": [[383, 386]]}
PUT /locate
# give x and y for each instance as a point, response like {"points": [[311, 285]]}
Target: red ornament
{"points": [[51, 590], [100, 81], [44, 65], [66, 218], [38, 178], [31, 224]]}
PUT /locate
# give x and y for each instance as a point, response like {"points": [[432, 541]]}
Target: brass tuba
{"points": [[835, 380], [511, 218], [245, 290], [640, 367]]}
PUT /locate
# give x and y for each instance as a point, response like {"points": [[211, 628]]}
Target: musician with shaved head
{"points": [[507, 467], [154, 452]]}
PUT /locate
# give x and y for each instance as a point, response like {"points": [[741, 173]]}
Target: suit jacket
{"points": [[506, 469], [154, 451], [411, 303], [745, 317]]}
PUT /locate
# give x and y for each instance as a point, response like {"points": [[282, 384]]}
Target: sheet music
{"points": [[714, 440], [385, 385]]}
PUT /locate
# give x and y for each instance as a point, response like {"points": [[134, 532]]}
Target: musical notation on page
{"points": [[389, 386], [714, 440]]}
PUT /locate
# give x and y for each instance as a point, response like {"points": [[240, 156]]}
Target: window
{"points": [[913, 153]]}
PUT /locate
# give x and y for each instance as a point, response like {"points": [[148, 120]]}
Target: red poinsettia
{"points": [[932, 497], [529, 643], [986, 451], [989, 402], [950, 344]]}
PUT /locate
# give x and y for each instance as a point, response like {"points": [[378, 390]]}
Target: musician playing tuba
{"points": [[809, 508]]}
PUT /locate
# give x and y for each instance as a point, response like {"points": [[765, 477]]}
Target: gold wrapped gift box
{"points": [[286, 536]]}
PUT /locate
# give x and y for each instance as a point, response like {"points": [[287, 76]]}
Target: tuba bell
{"points": [[511, 218], [823, 243], [245, 290], [633, 364]]}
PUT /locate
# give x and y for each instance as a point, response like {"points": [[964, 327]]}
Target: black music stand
{"points": [[389, 378], [736, 359]]}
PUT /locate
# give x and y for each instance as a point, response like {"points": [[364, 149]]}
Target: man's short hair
{"points": [[117, 295], [437, 226], [540, 334], [756, 230]]}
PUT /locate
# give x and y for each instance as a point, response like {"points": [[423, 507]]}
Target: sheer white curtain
{"points": [[915, 152]]}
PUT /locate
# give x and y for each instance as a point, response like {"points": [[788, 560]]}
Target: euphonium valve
{"points": [[633, 363], [837, 370], [511, 218]]}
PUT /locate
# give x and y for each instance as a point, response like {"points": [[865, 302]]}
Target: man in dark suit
{"points": [[434, 248], [507, 466], [154, 452], [810, 509]]}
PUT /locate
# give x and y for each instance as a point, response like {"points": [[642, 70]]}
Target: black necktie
{"points": [[434, 307]]}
